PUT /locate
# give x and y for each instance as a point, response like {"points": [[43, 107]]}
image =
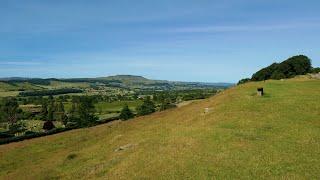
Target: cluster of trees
{"points": [[11, 113], [165, 100], [147, 107], [50, 92], [52, 110], [37, 81], [296, 65], [82, 113]]}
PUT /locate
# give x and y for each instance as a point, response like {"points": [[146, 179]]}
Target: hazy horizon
{"points": [[194, 41]]}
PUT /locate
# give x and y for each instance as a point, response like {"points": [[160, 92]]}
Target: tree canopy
{"points": [[146, 108], [296, 65], [126, 113]]}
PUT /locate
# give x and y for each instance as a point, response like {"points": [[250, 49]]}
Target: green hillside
{"points": [[93, 86], [241, 136]]}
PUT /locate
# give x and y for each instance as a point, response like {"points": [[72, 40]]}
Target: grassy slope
{"points": [[7, 89], [243, 136]]}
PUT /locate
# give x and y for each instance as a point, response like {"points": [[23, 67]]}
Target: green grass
{"points": [[117, 105], [109, 115], [60, 85], [243, 136], [106, 107], [9, 93]]}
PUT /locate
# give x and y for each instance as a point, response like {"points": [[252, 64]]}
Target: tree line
{"points": [[50, 92], [296, 65]]}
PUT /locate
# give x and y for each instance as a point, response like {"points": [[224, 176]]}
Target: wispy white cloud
{"points": [[20, 63], [243, 28]]}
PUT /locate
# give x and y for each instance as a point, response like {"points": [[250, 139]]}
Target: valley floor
{"points": [[241, 136]]}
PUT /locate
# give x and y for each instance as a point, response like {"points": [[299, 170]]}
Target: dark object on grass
{"points": [[71, 156], [48, 125], [260, 91]]}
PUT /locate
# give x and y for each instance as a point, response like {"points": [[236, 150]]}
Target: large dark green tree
{"points": [[296, 65], [147, 107], [10, 110], [44, 110], [126, 113], [86, 111], [61, 114]]}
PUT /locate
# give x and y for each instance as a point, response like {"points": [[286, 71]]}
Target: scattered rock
{"points": [[125, 147], [207, 110]]}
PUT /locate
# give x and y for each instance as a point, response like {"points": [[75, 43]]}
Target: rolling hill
{"points": [[240, 136], [13, 86]]}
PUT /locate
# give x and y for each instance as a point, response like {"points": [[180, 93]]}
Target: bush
{"points": [[29, 133], [48, 125], [17, 127]]}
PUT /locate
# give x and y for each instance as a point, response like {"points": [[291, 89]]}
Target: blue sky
{"points": [[186, 40]]}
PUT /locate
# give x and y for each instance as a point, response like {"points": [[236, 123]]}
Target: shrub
{"points": [[17, 127], [5, 135], [29, 133], [48, 125]]}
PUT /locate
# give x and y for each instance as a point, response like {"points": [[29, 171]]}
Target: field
{"points": [[242, 136], [106, 110], [105, 107]]}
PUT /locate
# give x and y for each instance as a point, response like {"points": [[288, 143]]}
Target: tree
{"points": [[44, 110], [17, 127], [245, 80], [167, 105], [10, 110], [315, 70], [50, 113], [296, 65], [61, 112], [126, 113], [147, 107], [277, 75], [86, 112], [73, 116]]}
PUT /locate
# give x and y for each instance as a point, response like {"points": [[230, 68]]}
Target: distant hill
{"points": [[131, 78], [122, 81], [12, 86], [233, 135]]}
